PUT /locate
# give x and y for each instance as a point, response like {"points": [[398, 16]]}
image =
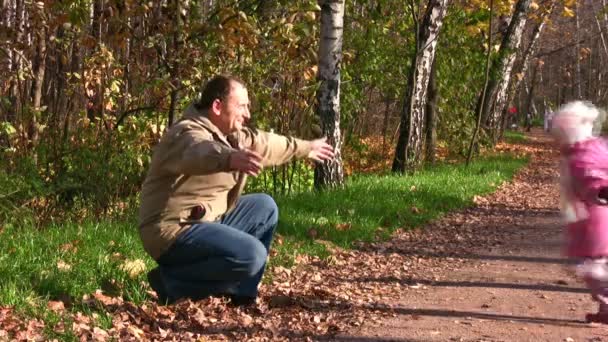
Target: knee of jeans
{"points": [[255, 259], [268, 205]]}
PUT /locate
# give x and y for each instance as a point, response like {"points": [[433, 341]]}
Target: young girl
{"points": [[584, 190]]}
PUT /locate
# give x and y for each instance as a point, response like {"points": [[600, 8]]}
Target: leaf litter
{"points": [[316, 299]]}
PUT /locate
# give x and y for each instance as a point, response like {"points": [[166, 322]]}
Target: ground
{"points": [[514, 285], [491, 272]]}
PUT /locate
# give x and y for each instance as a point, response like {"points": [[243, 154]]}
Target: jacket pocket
{"points": [[195, 214]]}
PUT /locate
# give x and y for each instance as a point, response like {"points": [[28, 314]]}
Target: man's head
{"points": [[575, 121], [226, 102]]}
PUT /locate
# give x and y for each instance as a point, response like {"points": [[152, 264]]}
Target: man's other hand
{"points": [[320, 150], [246, 161]]}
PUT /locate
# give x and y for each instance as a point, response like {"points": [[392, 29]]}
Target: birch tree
{"points": [[496, 90], [431, 116], [526, 57], [40, 68], [330, 173], [579, 91], [411, 131]]}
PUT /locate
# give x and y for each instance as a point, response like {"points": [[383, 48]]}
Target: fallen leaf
{"points": [[55, 306], [63, 267], [133, 267], [343, 226]]}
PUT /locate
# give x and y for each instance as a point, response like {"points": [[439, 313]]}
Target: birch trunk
{"points": [[17, 62], [411, 135], [529, 52], [431, 117], [502, 68], [482, 98], [529, 106], [330, 173], [40, 67]]}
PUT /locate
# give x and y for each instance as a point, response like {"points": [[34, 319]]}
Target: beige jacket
{"points": [[189, 169]]}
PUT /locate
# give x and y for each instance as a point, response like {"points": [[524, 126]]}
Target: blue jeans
{"points": [[225, 257]]}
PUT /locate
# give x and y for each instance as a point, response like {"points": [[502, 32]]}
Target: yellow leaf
{"points": [[55, 306], [534, 6], [62, 266], [133, 267], [568, 12]]}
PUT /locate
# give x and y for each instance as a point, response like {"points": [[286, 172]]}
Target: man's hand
{"points": [[246, 161], [321, 150]]}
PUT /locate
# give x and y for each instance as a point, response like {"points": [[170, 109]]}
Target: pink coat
{"points": [[587, 163]]}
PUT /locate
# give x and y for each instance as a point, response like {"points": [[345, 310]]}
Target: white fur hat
{"points": [[576, 121]]}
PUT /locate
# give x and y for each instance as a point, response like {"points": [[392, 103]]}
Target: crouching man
{"points": [[206, 238]]}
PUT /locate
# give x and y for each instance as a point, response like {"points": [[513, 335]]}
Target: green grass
{"points": [[72, 260], [66, 262], [514, 137], [373, 206]]}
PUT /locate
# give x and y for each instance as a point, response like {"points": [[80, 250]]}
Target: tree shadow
{"points": [[487, 316], [418, 313], [410, 281], [482, 257], [344, 338]]}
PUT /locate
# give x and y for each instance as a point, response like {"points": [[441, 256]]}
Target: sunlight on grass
{"points": [[371, 207], [66, 262], [514, 137]]}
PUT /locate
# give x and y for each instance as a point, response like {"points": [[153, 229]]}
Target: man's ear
{"points": [[216, 107]]}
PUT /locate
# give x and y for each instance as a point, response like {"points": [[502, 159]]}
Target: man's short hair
{"points": [[217, 88]]}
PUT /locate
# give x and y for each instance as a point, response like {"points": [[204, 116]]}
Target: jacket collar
{"points": [[202, 118]]}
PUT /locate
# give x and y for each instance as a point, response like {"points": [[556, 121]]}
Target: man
{"points": [[205, 236]]}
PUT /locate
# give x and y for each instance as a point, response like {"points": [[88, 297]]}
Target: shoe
{"points": [[156, 282], [600, 317]]}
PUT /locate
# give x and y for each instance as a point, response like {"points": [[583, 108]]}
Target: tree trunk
{"points": [[431, 116], [483, 98], [577, 53], [17, 62], [385, 121], [175, 67], [501, 70], [6, 21], [40, 67], [330, 173], [411, 137], [96, 107], [530, 99], [529, 52]]}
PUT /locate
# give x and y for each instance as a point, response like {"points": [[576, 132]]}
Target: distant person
{"points": [[584, 192], [206, 238], [548, 121]]}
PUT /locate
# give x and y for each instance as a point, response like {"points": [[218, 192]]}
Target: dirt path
{"points": [[517, 287]]}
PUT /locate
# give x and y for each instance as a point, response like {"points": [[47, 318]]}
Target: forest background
{"points": [[88, 87]]}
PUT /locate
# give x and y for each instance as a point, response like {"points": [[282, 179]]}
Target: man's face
{"points": [[234, 110]]}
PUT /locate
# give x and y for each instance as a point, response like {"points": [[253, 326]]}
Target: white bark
{"points": [[527, 56], [411, 137], [497, 89], [330, 173], [6, 20]]}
